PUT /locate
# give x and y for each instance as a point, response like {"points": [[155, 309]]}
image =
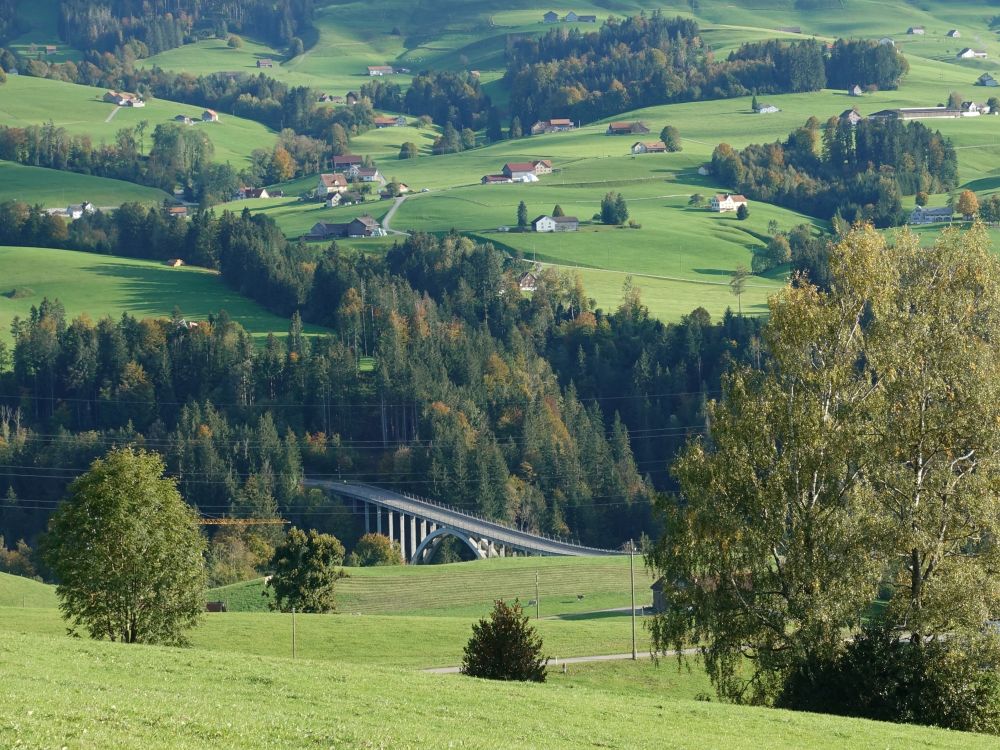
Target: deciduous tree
{"points": [[306, 571]]}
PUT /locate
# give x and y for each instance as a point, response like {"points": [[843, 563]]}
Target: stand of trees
{"points": [[851, 172], [644, 60], [446, 97]]}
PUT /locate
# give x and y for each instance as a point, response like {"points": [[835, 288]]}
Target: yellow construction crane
{"points": [[242, 521]]}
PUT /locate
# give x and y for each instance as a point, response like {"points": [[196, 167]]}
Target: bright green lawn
{"points": [[16, 591], [101, 285], [59, 692], [80, 110], [55, 189]]}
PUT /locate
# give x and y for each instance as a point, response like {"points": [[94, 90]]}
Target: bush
{"points": [[951, 683], [374, 549], [234, 42], [505, 647], [742, 212]]}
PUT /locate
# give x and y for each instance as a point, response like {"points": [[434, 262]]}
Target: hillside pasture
{"points": [[29, 101], [99, 285], [57, 189]]}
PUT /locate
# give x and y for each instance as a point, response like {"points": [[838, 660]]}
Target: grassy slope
{"points": [[107, 285], [16, 591], [55, 189], [469, 590], [61, 692], [79, 109]]}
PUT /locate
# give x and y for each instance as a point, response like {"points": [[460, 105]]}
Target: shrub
{"points": [[505, 647], [376, 549]]}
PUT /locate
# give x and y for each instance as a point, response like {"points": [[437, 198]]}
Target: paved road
{"points": [[475, 526], [571, 660], [392, 212]]}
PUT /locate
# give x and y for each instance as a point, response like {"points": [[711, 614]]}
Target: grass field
{"points": [[56, 189], [16, 591], [100, 285], [80, 110], [460, 590]]}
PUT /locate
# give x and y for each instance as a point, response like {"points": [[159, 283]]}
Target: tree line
{"points": [[641, 61], [843, 171], [444, 96]]}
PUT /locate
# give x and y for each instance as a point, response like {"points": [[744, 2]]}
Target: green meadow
{"points": [[53, 188], [99, 285], [81, 111], [355, 683]]}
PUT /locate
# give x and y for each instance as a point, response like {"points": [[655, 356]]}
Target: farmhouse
{"points": [[555, 224], [330, 184], [550, 17], [527, 282], [554, 125], [651, 147], [954, 34], [915, 113], [361, 226], [766, 109], [971, 109], [727, 202], [179, 212], [571, 17], [123, 99], [209, 115], [265, 62], [926, 215], [183, 119], [855, 90], [380, 70], [79, 209], [987, 80], [627, 128], [390, 122], [368, 174], [249, 192], [346, 161], [918, 30], [851, 115], [495, 179], [352, 98], [968, 54], [175, 262], [587, 19], [518, 170]]}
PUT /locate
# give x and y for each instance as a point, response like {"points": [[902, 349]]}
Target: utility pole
{"points": [[536, 594], [631, 575], [293, 632]]}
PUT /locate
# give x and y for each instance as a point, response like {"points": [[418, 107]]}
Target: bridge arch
{"points": [[431, 540]]}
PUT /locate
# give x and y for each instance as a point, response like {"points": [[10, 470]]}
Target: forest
{"points": [[447, 98], [843, 171], [150, 28], [545, 412], [642, 61]]}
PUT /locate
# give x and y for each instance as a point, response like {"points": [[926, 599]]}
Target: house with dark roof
{"points": [[918, 30], [352, 98], [954, 34], [555, 224], [527, 282], [987, 80], [387, 121], [587, 19], [550, 17], [970, 54], [627, 128], [851, 115], [571, 17], [360, 226], [495, 179], [855, 90], [346, 161]]}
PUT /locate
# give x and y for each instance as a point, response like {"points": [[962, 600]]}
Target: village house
{"points": [[265, 62], [627, 128], [554, 125], [380, 70], [555, 224], [968, 54], [175, 262], [518, 170], [527, 282], [652, 147], [954, 34], [77, 210], [727, 202], [571, 17], [390, 122], [495, 179], [209, 115], [927, 215], [972, 109], [249, 192], [550, 17], [367, 174], [361, 226], [851, 115], [330, 184], [178, 212], [987, 80], [915, 113], [387, 194], [183, 119], [343, 162], [123, 99], [855, 90], [918, 30], [766, 109], [352, 98]]}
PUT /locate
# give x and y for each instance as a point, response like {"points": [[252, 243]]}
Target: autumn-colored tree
{"points": [[968, 204]]}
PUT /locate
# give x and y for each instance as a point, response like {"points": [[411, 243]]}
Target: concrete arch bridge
{"points": [[419, 525]]}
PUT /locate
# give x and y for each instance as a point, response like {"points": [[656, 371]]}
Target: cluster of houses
{"points": [[335, 187], [571, 17], [922, 31], [74, 211], [209, 115], [358, 227], [517, 171], [627, 128], [555, 125], [123, 99], [967, 109], [547, 223]]}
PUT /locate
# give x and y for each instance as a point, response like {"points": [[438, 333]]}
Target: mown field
{"points": [[566, 587], [354, 684], [56, 189], [80, 110], [100, 285]]}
